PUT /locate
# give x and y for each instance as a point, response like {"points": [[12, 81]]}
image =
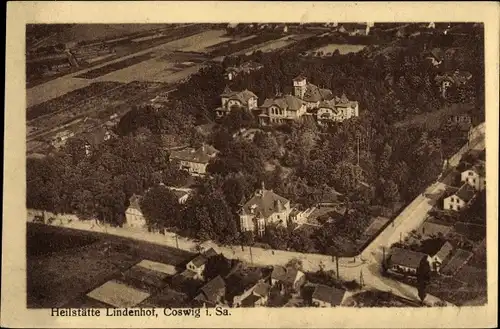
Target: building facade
{"points": [[475, 177], [194, 161], [230, 99]]}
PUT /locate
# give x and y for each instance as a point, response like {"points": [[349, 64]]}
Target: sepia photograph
{"points": [[192, 169]]}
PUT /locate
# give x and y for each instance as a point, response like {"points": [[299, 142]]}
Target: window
{"points": [[451, 207], [470, 173], [458, 207], [452, 199], [474, 181]]}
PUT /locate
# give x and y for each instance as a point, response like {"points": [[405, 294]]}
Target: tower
{"points": [[299, 86]]}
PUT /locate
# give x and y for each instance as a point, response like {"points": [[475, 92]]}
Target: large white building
{"points": [[475, 177]]}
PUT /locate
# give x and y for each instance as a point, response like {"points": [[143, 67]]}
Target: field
{"points": [[118, 294], [64, 264], [342, 48], [71, 99], [103, 70], [274, 45], [244, 45]]}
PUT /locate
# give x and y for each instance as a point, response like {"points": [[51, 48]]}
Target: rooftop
{"points": [[406, 257], [242, 96], [213, 288], [264, 203], [286, 102], [445, 250], [328, 294], [466, 192], [200, 155], [315, 94]]}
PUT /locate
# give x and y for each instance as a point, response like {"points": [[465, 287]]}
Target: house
{"points": [[257, 295], [212, 294], [443, 253], [264, 208], [133, 214], [336, 110], [326, 296], [460, 199], [311, 94], [475, 177], [245, 68], [457, 78], [194, 161], [288, 278], [281, 109], [404, 261], [197, 266], [354, 29], [436, 56], [242, 99]]}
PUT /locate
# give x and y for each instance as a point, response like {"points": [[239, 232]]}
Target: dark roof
{"points": [[479, 169], [213, 288], [95, 137], [262, 289], [466, 192], [406, 257], [210, 253], [315, 94], [299, 78], [264, 202], [281, 273], [201, 155], [242, 96], [287, 102], [445, 251], [178, 193], [328, 294], [250, 300], [335, 102], [199, 260]]}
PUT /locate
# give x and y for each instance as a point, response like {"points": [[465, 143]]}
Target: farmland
{"points": [[76, 262], [92, 74]]}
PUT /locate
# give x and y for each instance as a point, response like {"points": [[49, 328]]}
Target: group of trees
{"points": [[366, 159]]}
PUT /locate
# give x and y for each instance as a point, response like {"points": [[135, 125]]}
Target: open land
{"points": [[63, 264], [342, 48]]}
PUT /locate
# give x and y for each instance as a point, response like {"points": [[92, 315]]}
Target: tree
{"points": [[238, 117], [390, 192], [301, 242], [277, 237], [160, 208]]}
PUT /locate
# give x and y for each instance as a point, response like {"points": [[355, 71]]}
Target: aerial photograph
{"points": [[189, 165]]}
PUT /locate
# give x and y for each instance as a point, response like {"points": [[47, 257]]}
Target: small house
{"points": [[133, 214], [475, 177], [212, 294], [443, 254], [194, 161], [230, 99], [257, 295], [288, 278], [326, 296], [460, 199], [197, 265], [405, 261]]}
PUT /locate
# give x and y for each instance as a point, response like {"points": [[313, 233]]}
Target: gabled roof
{"points": [[210, 253], [328, 294], [199, 260], [213, 288], [134, 202], [200, 155], [264, 203], [242, 96], [445, 251], [250, 300], [262, 289], [96, 136], [466, 192], [287, 102], [315, 94], [299, 78], [406, 257], [283, 274], [479, 169]]}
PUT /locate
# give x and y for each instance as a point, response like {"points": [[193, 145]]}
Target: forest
{"points": [[366, 159]]}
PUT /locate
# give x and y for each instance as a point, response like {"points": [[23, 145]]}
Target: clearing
{"points": [[342, 48]]}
